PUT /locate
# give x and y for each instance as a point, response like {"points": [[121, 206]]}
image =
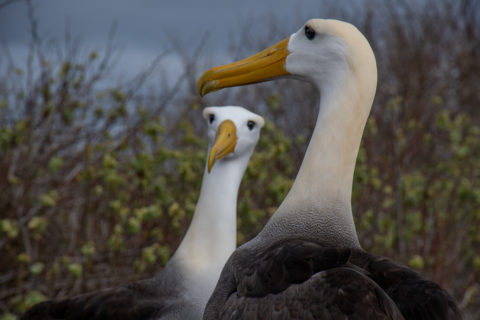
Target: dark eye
{"points": [[211, 118], [250, 125], [309, 33]]}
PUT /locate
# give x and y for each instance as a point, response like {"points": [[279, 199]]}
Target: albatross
{"points": [[307, 262], [182, 288]]}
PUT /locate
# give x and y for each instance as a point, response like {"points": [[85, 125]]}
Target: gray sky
{"points": [[143, 25]]}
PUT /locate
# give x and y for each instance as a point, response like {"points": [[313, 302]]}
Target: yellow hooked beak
{"points": [[263, 66], [225, 142]]}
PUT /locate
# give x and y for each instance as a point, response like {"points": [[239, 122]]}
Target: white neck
{"points": [[211, 237], [318, 206]]}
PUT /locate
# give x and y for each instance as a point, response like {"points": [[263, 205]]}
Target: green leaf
{"points": [[23, 258], [8, 316], [133, 225], [75, 269], [49, 199], [36, 268], [88, 249], [416, 262], [476, 263], [55, 164], [109, 162], [10, 227], [148, 254], [38, 224], [33, 297]]}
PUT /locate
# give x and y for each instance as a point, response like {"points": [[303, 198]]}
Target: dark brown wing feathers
{"points": [[298, 279], [123, 303]]}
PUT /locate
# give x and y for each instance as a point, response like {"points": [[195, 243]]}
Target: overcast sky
{"points": [[143, 25]]}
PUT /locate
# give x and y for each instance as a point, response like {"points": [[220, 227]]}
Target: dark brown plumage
{"points": [[297, 279], [142, 300]]}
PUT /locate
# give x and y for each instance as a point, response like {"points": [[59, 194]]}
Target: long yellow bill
{"points": [[225, 142], [265, 65]]}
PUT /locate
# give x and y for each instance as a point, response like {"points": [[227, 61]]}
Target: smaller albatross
{"points": [[182, 289], [307, 262]]}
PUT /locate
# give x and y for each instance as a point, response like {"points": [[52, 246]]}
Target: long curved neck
{"points": [[318, 206], [211, 236]]}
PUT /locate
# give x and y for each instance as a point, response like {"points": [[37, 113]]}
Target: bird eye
{"points": [[211, 118], [250, 125], [309, 33]]}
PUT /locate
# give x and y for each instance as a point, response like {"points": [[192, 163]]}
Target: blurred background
{"points": [[102, 144]]}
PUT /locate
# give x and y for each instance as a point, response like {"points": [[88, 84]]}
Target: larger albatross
{"points": [[307, 262], [182, 289]]}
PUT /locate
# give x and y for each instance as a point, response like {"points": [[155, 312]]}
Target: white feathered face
{"points": [[232, 132], [315, 54]]}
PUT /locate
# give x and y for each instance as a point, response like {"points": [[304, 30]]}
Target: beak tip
{"points": [[202, 91], [206, 84], [212, 158], [199, 89]]}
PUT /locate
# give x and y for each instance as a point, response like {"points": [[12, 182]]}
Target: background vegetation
{"points": [[99, 182]]}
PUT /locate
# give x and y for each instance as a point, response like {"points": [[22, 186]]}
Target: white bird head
{"points": [[232, 132], [321, 51]]}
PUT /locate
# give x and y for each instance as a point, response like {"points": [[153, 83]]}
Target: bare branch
{"points": [[5, 3]]}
